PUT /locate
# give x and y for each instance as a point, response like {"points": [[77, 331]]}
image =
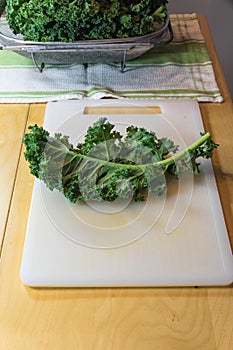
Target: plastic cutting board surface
{"points": [[178, 239]]}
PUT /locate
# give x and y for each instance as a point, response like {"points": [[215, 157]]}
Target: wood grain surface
{"points": [[114, 318], [12, 125]]}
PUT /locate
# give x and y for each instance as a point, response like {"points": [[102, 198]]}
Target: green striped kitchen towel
{"points": [[181, 69]]}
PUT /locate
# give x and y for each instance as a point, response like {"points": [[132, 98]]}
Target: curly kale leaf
{"points": [[72, 20], [106, 166]]}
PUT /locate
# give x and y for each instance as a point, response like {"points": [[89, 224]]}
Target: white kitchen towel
{"points": [[181, 69]]}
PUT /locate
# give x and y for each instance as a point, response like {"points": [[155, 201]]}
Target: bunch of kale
{"points": [[72, 20]]}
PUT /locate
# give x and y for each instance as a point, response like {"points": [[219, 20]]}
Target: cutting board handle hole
{"points": [[122, 110]]}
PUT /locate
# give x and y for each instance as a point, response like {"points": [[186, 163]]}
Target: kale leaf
{"points": [[106, 166], [72, 20]]}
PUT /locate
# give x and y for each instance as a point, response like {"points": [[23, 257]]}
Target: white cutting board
{"points": [[178, 239]]}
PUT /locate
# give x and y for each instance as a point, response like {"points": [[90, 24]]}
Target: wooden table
{"points": [[107, 318]]}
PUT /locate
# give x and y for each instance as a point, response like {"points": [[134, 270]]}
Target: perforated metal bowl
{"points": [[88, 51]]}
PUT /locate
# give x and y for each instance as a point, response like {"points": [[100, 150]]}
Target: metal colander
{"points": [[84, 52]]}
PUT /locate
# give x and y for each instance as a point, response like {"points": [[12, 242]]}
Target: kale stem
{"points": [[162, 163], [179, 155]]}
